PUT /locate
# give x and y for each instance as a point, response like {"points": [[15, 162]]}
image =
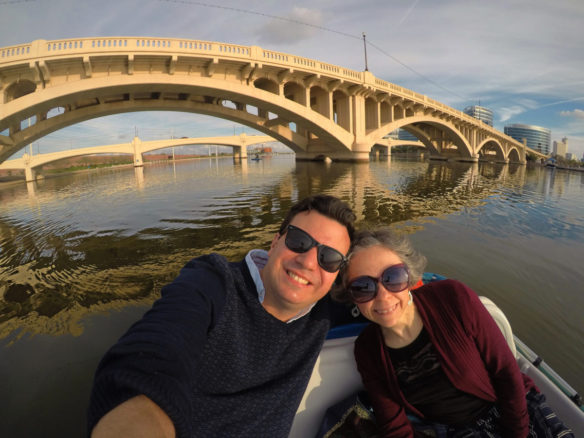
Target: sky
{"points": [[523, 59]]}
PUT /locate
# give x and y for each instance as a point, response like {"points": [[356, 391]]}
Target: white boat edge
{"points": [[335, 377]]}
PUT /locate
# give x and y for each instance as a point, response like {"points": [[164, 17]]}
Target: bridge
{"points": [[136, 148], [317, 109]]}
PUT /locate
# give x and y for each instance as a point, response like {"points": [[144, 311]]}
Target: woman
{"points": [[435, 360]]}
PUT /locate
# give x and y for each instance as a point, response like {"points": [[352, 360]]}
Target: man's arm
{"points": [[146, 376], [138, 417]]}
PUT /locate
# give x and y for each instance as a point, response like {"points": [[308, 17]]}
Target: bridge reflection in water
{"points": [[86, 254]]}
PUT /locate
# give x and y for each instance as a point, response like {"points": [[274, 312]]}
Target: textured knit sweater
{"points": [[472, 352], [212, 358]]}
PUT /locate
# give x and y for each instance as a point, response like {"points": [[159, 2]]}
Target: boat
{"points": [[551, 162], [335, 376], [256, 158]]}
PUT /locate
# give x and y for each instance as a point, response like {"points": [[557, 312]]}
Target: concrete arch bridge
{"points": [[136, 148], [317, 109]]}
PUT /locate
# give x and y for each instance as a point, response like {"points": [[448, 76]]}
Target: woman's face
{"points": [[387, 309]]}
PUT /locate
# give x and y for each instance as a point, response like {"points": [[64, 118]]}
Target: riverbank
{"points": [[6, 181]]}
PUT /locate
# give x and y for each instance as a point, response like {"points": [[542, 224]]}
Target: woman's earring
{"points": [[355, 311], [411, 298]]}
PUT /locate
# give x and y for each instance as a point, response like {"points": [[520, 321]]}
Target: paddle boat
{"points": [[335, 376]]}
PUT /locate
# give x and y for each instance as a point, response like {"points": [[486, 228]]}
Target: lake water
{"points": [[84, 255]]}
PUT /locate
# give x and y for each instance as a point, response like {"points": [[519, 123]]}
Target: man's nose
{"points": [[309, 259]]}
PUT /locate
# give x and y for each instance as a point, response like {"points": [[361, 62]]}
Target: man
{"points": [[229, 347]]}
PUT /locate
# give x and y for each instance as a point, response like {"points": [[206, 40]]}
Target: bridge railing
{"points": [[88, 46]]}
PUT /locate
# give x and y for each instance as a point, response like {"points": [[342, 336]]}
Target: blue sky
{"points": [[522, 58]]}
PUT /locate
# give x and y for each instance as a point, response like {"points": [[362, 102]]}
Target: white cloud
{"points": [[577, 114]]}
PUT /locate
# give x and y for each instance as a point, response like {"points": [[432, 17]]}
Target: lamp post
{"points": [[365, 49]]}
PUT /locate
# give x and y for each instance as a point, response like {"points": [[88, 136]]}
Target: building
{"points": [[480, 112], [561, 148], [538, 138], [406, 136]]}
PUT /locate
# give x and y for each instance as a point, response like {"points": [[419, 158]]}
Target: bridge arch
{"points": [[136, 148], [18, 89], [202, 99], [295, 92], [313, 107], [440, 137], [491, 149]]}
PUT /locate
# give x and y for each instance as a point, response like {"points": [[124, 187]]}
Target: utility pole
{"points": [[365, 49]]}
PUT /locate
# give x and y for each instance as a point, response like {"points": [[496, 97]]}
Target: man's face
{"points": [[294, 281]]}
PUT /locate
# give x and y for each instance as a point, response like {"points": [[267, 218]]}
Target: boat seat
{"points": [[501, 321]]}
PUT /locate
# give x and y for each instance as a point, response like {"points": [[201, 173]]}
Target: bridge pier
{"points": [[29, 174], [240, 152], [138, 160]]}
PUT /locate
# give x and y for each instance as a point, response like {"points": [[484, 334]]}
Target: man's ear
{"points": [[274, 241]]}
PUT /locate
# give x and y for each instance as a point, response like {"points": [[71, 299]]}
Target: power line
{"points": [[263, 14], [13, 2], [325, 29]]}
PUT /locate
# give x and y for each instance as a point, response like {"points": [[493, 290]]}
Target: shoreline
{"points": [[7, 181]]}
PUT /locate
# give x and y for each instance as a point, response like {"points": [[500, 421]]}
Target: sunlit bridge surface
{"points": [[317, 109]]}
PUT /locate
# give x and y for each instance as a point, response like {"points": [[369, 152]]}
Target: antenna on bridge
{"points": [[365, 48]]}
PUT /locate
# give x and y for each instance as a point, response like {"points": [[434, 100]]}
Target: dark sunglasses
{"points": [[300, 241], [394, 279]]}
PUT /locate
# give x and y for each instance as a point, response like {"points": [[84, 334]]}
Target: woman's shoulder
{"points": [[443, 289], [447, 293]]}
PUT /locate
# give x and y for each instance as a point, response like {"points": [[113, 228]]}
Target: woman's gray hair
{"points": [[399, 244]]}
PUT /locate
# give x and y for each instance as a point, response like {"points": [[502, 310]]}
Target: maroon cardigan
{"points": [[472, 352]]}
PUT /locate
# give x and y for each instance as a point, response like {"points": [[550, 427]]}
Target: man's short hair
{"points": [[326, 205]]}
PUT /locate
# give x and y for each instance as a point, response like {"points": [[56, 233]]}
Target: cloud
{"points": [[522, 105], [577, 114], [300, 24]]}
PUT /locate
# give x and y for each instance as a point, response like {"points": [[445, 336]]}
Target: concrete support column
{"points": [[331, 110], [243, 146], [240, 152], [29, 174], [137, 144], [358, 115]]}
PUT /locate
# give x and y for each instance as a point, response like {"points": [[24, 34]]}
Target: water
{"points": [[84, 255]]}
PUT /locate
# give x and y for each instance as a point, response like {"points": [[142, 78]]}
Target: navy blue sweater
{"points": [[212, 358]]}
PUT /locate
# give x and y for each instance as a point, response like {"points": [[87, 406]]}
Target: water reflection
{"points": [[83, 255], [100, 245], [139, 174]]}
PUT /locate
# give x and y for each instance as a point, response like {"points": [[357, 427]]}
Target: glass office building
{"points": [[405, 135], [538, 138], [481, 113]]}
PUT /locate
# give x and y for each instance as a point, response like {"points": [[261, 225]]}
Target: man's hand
{"points": [[136, 417]]}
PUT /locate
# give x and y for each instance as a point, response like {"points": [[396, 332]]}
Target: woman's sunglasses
{"points": [[394, 279], [300, 241]]}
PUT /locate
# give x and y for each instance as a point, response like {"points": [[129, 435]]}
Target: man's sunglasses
{"points": [[300, 241], [394, 279]]}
